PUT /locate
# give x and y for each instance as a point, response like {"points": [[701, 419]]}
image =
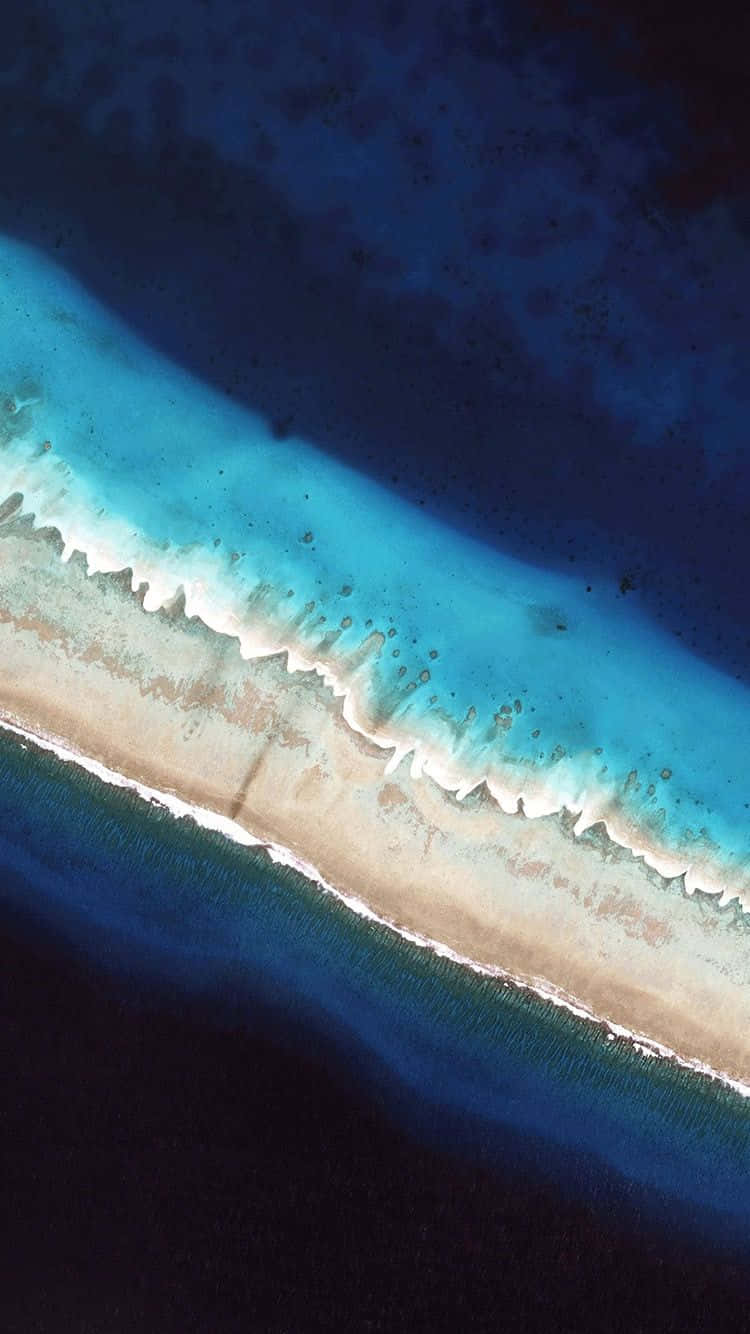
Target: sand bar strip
{"points": [[170, 703]]}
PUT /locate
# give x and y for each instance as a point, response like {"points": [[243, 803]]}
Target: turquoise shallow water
{"points": [[489, 666]]}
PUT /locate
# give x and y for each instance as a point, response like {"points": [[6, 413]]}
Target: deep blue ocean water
{"points": [[162, 902], [458, 294]]}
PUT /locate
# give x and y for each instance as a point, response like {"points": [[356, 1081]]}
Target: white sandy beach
{"points": [[171, 704]]}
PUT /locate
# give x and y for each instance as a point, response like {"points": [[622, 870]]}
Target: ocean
{"points": [[491, 670], [377, 326], [198, 951]]}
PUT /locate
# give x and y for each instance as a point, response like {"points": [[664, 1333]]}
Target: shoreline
{"points": [[160, 589], [170, 704], [205, 819]]}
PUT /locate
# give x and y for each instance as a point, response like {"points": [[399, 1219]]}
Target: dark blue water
{"points": [[169, 920], [496, 259]]}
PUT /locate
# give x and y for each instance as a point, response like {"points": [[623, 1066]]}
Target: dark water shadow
{"points": [[211, 264]]}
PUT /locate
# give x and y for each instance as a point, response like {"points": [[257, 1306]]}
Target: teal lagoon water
{"points": [[504, 271], [487, 668]]}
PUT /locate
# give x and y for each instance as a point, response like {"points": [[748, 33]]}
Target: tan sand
{"points": [[168, 702]]}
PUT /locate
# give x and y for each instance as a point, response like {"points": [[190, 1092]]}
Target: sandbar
{"points": [[168, 702]]}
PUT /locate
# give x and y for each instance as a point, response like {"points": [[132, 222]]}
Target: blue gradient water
{"points": [[151, 896]]}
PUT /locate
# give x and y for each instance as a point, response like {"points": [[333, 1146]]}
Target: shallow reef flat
{"points": [[557, 688], [162, 699]]}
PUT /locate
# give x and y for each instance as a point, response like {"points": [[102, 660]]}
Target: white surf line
{"points": [[426, 760], [283, 856]]}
